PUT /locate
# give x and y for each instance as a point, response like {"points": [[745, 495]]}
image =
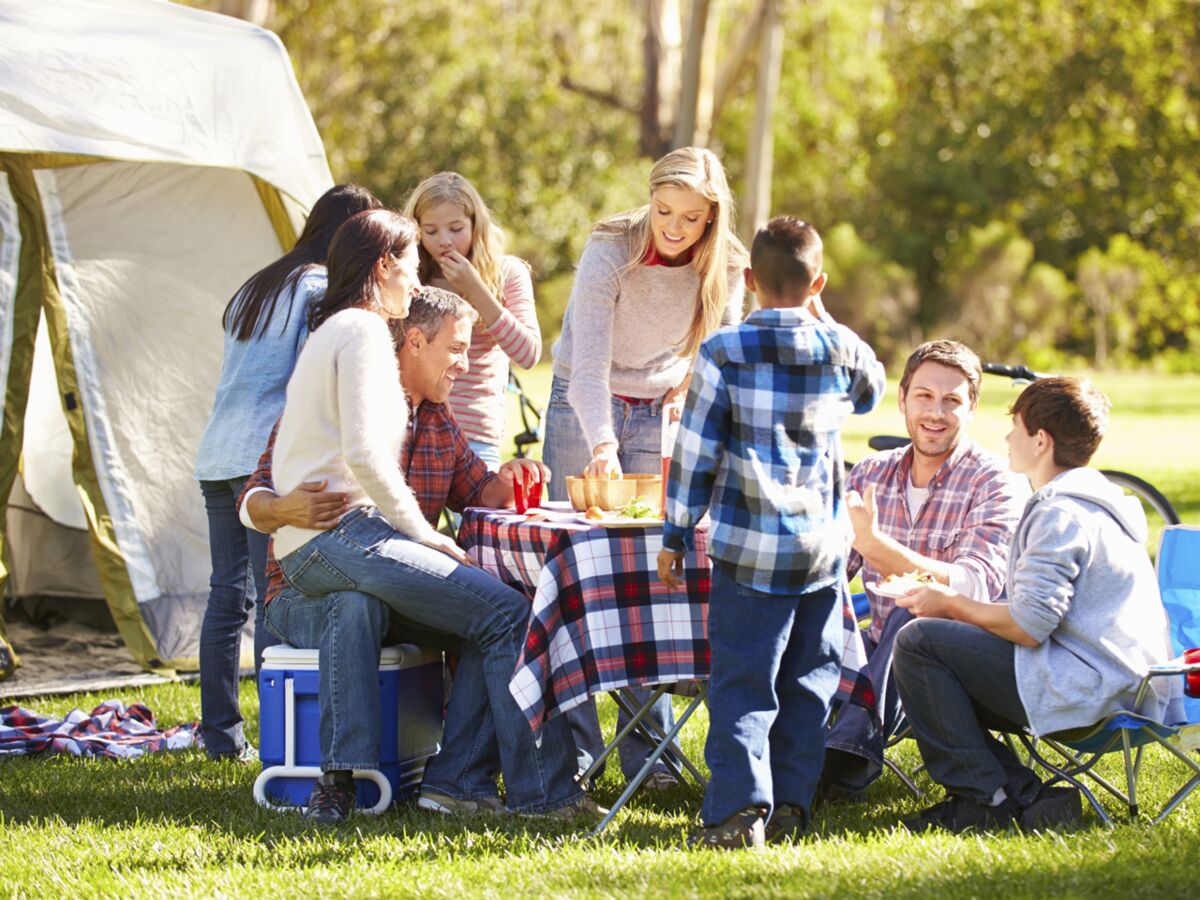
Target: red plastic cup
{"points": [[1192, 686], [533, 493], [519, 494]]}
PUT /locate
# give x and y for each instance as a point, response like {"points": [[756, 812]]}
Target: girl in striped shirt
{"points": [[462, 250]]}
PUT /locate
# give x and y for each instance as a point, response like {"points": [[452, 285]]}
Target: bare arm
{"points": [[308, 506], [939, 602]]}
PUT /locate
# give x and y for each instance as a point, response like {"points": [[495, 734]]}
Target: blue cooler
{"points": [[412, 689]]}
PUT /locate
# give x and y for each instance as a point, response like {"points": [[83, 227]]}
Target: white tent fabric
{"points": [[144, 122], [154, 81]]}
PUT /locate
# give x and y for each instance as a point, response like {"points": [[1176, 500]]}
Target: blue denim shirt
{"points": [[253, 385]]}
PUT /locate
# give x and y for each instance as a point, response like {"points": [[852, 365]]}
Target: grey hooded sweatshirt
{"points": [[1080, 583]]}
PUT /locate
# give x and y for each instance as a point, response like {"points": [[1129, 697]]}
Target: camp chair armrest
{"points": [[1173, 667]]}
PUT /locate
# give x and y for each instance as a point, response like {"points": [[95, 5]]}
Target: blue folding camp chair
{"points": [[1179, 583]]}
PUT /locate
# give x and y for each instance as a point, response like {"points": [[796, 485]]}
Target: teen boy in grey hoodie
{"points": [[1083, 623]]}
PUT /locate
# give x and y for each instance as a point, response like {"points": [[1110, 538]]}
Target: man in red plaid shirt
{"points": [[941, 505], [442, 471]]}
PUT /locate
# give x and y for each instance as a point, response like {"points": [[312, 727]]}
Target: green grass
{"points": [[174, 824]]}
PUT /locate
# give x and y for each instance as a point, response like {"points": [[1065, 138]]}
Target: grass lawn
{"points": [[173, 824]]}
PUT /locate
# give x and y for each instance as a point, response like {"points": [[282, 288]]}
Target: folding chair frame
{"points": [[1128, 731]]}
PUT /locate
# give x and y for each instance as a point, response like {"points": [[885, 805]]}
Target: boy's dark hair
{"points": [[1071, 411], [429, 310], [946, 353], [786, 256]]}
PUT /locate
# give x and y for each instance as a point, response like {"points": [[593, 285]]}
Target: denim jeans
{"points": [[346, 629], [958, 683], [239, 563], [483, 722], [566, 451], [854, 743], [776, 665]]}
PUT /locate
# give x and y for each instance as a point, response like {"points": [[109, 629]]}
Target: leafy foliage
{"points": [[984, 155]]}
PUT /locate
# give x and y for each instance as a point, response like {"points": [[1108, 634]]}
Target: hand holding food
{"points": [[864, 517], [604, 463], [932, 600]]}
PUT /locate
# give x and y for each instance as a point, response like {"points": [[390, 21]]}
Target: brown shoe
{"points": [[583, 808], [787, 823], [742, 830]]}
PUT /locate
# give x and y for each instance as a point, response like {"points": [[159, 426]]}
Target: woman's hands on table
{"points": [[604, 462]]}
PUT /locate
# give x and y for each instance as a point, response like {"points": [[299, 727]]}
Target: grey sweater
{"points": [[621, 330], [1080, 582]]}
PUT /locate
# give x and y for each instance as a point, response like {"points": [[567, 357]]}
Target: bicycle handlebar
{"points": [[1023, 373]]}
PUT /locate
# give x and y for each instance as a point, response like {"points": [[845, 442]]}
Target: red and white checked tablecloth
{"points": [[601, 619]]}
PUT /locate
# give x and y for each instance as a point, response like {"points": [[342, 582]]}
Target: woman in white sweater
{"points": [[345, 422], [652, 284]]}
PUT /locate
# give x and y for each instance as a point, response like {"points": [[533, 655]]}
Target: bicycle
{"points": [[531, 433], [1159, 510]]}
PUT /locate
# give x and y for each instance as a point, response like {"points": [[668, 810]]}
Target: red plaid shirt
{"points": [[441, 468], [968, 519]]}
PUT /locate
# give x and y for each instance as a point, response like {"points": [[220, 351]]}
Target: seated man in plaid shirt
{"points": [[759, 447], [348, 627], [941, 505]]}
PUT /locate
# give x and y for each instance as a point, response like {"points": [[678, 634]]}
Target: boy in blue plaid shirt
{"points": [[759, 447]]}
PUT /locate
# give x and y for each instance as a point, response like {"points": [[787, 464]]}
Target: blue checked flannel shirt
{"points": [[760, 448]]}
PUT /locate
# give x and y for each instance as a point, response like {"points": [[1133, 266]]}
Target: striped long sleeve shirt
{"points": [[760, 448], [478, 396]]}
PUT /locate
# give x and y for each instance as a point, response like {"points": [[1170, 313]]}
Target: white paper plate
{"points": [[893, 590], [613, 521]]}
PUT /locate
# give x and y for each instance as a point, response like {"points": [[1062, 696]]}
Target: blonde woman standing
{"points": [[652, 283], [462, 250]]}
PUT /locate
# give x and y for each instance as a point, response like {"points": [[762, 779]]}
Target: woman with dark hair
{"points": [[345, 423], [266, 323]]}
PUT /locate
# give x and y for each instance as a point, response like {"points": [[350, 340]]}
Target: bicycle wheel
{"points": [[1159, 511]]}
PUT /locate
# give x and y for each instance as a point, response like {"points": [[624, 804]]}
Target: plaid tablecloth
{"points": [[601, 619]]}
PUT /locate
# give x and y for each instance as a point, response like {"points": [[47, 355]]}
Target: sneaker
{"points": [[743, 830], [659, 780], [331, 800], [957, 814], [583, 808], [247, 756], [1053, 807], [432, 801], [787, 823]]}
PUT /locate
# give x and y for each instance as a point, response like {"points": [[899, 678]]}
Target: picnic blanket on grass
{"points": [[111, 730]]}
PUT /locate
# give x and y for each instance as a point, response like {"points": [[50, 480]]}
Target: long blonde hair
{"points": [[487, 238], [716, 252]]}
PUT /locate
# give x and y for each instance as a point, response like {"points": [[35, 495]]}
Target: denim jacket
{"points": [[253, 385]]}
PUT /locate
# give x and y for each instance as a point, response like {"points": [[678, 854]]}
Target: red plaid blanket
{"points": [[110, 730]]}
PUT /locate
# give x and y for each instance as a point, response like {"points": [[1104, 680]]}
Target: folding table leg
{"points": [[647, 725], [658, 751], [634, 722]]}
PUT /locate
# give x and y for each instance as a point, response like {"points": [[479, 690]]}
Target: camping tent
{"points": [[151, 158]]}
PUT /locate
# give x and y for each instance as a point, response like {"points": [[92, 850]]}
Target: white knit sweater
{"points": [[345, 420]]}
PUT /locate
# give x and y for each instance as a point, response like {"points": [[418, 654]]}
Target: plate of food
{"points": [[635, 514], [898, 585]]}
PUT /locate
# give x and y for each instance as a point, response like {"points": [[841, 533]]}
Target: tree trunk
{"points": [[757, 206], [660, 91], [735, 61], [699, 40]]}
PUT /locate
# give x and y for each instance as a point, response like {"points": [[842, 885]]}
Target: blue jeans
{"points": [[958, 683], [776, 664], [566, 451], [854, 743], [239, 563], [347, 629], [483, 722]]}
